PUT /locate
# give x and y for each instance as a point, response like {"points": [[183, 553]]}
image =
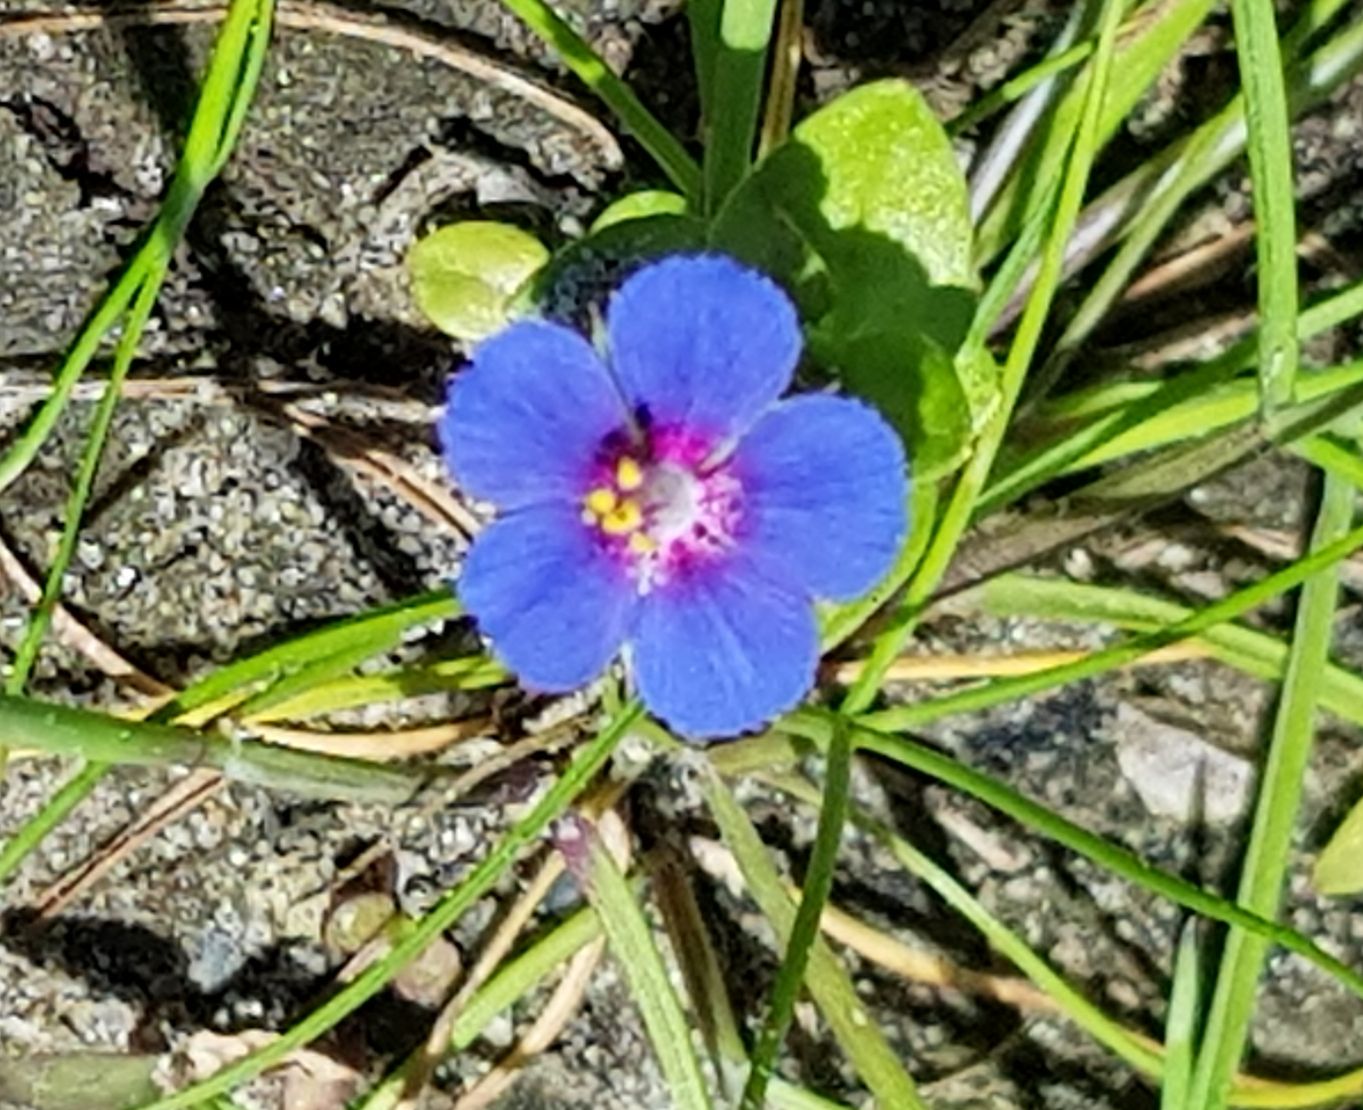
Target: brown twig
{"points": [[76, 635], [379, 745], [562, 1004], [317, 15], [353, 450], [918, 668], [186, 795]]}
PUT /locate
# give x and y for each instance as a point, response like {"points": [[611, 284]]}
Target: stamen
{"points": [[629, 475], [625, 518], [641, 543], [601, 501]]}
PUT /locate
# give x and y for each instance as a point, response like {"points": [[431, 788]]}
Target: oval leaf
{"points": [[864, 215], [638, 206], [1339, 870], [466, 275]]}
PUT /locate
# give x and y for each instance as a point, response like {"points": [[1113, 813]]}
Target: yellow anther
{"points": [[641, 543], [601, 501], [625, 518], [629, 475]]}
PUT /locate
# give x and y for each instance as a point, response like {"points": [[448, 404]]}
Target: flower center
{"points": [[661, 506]]}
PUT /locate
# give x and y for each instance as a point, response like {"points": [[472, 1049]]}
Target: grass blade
{"points": [[1076, 1007], [804, 931], [1227, 609], [1270, 168], [1246, 649], [1280, 790], [589, 67], [740, 62], [827, 982], [381, 628], [227, 85], [631, 940], [817, 726], [64, 730], [1180, 1031]]}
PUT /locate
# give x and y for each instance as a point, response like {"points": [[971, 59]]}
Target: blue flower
{"points": [[665, 502]]}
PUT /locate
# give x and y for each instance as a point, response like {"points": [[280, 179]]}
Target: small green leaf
{"points": [[466, 275], [911, 380], [636, 206], [584, 272], [1339, 870], [863, 214]]}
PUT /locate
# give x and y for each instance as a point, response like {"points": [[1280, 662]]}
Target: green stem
{"points": [[818, 884], [100, 738], [1280, 792]]}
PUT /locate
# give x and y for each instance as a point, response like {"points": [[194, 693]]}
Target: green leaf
{"points": [[631, 941], [466, 275], [1339, 870], [584, 272], [636, 206], [863, 215]]}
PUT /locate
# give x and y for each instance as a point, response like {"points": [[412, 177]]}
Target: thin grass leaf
{"points": [[1311, 81], [41, 616], [54, 811], [214, 694], [590, 759], [469, 672], [702, 18], [228, 88], [1270, 169], [589, 68], [1329, 312], [1180, 1030], [1141, 57], [631, 940], [961, 506], [785, 72], [740, 63], [816, 726], [64, 730], [805, 930], [1187, 407], [1076, 1007], [1227, 609], [1015, 88], [1186, 175], [1280, 789], [227, 82], [381, 628], [1333, 457], [700, 968], [828, 984], [1256, 653]]}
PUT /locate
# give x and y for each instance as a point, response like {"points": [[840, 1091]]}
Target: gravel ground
{"points": [[216, 526]]}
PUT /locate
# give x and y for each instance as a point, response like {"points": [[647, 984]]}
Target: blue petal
{"points": [[825, 493], [702, 343], [525, 420], [554, 604], [724, 649]]}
